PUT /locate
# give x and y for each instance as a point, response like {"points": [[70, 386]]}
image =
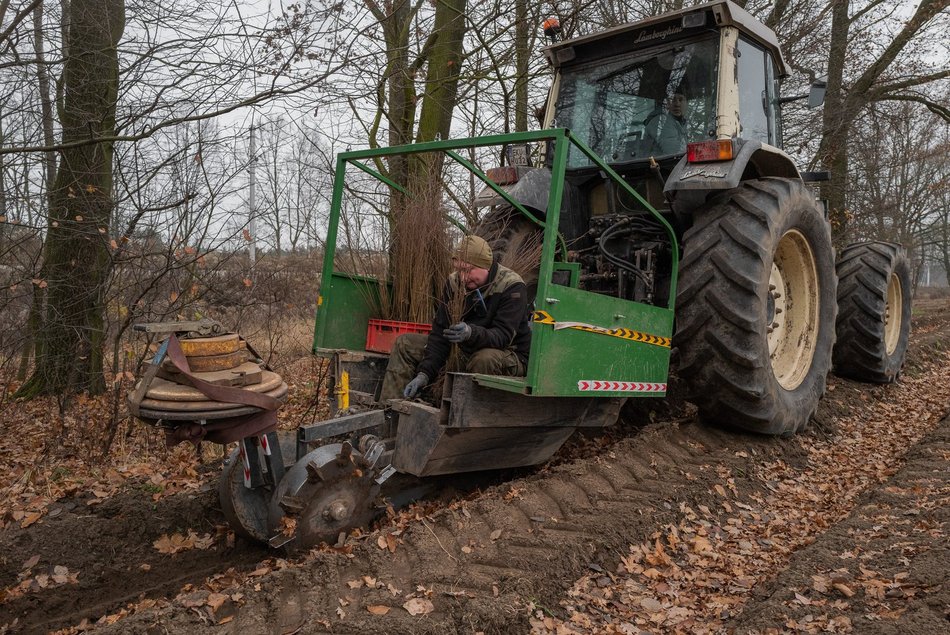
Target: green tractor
{"points": [[669, 218]]}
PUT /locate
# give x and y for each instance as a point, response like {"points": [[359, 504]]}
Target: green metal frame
{"points": [[583, 343]]}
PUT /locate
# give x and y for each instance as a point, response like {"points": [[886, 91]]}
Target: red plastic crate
{"points": [[381, 334]]}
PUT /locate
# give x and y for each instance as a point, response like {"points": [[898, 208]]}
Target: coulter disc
{"points": [[329, 491]]}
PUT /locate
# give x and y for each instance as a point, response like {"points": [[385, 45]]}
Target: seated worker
{"points": [[492, 335], [667, 130]]}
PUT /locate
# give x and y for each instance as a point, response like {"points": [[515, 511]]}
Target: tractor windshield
{"points": [[641, 105]]}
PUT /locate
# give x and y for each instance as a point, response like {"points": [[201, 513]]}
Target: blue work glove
{"points": [[417, 384], [457, 333]]}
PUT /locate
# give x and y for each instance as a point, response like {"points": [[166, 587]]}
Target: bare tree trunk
{"points": [[49, 175], [944, 245], [844, 104], [399, 105], [3, 186], [522, 56], [411, 255], [46, 102], [427, 270], [76, 260], [445, 59], [401, 93], [4, 216], [833, 150]]}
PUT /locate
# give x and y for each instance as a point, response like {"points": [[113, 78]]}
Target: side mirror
{"points": [[816, 96]]}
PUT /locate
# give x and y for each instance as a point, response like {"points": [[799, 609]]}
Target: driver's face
{"points": [[678, 104]]}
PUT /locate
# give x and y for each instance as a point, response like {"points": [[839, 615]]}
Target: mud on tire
{"points": [[756, 307], [874, 306]]}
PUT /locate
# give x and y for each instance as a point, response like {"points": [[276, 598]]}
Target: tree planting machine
{"points": [[662, 228]]}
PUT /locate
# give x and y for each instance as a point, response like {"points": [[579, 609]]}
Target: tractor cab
{"points": [[691, 86]]}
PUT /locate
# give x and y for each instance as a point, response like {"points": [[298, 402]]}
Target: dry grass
{"points": [[281, 341]]}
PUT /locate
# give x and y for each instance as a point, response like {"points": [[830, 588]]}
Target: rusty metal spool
{"points": [[210, 354], [217, 345]]}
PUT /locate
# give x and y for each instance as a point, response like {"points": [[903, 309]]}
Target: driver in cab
{"points": [[666, 131]]}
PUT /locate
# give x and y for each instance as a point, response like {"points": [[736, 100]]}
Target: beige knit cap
{"points": [[475, 251]]}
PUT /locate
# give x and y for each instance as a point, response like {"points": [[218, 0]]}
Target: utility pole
{"points": [[252, 200], [3, 191], [926, 267]]}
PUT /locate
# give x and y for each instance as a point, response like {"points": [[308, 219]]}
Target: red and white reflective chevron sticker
{"points": [[246, 464], [594, 385], [264, 445]]}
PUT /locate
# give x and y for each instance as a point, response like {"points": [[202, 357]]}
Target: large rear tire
{"points": [[515, 240], [756, 307], [874, 305]]}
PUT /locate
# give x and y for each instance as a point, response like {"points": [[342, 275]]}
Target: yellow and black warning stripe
{"points": [[543, 317]]}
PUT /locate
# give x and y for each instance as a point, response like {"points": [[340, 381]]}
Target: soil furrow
{"points": [[111, 550], [892, 574]]}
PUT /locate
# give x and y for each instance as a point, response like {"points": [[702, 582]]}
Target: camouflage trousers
{"points": [[409, 349]]}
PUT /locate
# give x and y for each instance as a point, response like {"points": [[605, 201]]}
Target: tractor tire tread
{"points": [[507, 231], [721, 307], [864, 271]]}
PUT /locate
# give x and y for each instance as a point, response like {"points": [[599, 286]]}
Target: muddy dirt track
{"points": [[664, 527]]}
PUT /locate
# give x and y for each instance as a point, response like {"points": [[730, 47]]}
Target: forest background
{"points": [[175, 160]]}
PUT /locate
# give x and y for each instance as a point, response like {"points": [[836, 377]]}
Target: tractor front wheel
{"points": [[756, 307]]}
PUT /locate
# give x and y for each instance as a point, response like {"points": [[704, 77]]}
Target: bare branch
{"points": [[940, 110], [925, 11], [174, 121], [19, 17], [910, 82]]}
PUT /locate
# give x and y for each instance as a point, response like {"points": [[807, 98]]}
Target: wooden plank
{"points": [[165, 390], [246, 374], [212, 363], [204, 404]]}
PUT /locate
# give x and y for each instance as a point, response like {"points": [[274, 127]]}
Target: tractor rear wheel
{"points": [[515, 240], [756, 307], [874, 306]]}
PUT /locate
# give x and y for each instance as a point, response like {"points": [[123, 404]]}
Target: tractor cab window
{"points": [[757, 96], [648, 104]]}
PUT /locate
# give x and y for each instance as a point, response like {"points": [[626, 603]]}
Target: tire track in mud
{"points": [[528, 538]]}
